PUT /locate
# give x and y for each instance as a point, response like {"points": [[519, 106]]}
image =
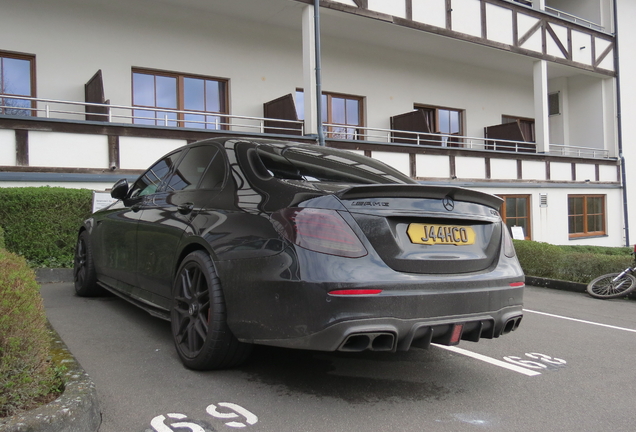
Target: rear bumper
{"points": [[392, 334]]}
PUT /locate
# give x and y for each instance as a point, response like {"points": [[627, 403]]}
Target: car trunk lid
{"points": [[428, 229]]}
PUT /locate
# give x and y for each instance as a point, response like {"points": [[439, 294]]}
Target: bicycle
{"points": [[614, 285]]}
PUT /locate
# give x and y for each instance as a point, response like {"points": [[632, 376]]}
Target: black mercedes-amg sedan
{"points": [[251, 241]]}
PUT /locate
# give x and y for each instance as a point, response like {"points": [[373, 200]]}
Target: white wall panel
{"points": [[432, 12], [140, 153], [560, 171], [533, 170], [499, 24], [581, 48], [428, 166], [585, 172], [551, 45], [399, 161], [525, 23], [608, 173], [470, 168], [465, 17], [503, 169], [7, 147], [391, 7], [68, 150]]}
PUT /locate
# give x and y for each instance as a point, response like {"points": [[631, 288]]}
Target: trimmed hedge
{"points": [[26, 374], [41, 223], [570, 263]]}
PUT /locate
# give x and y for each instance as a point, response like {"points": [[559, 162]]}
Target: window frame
{"points": [[32, 84], [181, 121], [586, 232], [528, 217], [328, 118], [435, 109]]}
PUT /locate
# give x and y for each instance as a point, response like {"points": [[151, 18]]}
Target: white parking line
{"points": [[581, 321], [490, 360]]}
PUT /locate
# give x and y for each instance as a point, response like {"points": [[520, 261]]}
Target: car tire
{"points": [[84, 274], [199, 320]]}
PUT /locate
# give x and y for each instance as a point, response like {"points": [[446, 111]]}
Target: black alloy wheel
{"points": [[199, 325], [84, 268]]}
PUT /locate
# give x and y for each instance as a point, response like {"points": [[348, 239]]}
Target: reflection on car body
{"points": [[245, 241]]}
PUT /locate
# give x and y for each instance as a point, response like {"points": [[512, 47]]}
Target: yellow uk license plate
{"points": [[432, 234]]}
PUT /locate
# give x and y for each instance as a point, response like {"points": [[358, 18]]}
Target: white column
{"points": [[610, 137], [538, 4], [309, 70], [541, 125]]}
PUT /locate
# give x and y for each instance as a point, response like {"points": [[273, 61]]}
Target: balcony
{"points": [[15, 107]]}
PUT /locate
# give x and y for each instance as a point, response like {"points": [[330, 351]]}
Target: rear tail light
{"points": [[319, 230], [508, 246]]}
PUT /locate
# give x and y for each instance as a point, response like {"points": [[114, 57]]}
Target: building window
{"points": [[554, 104], [586, 215], [204, 100], [17, 78], [341, 114], [515, 212], [443, 120]]}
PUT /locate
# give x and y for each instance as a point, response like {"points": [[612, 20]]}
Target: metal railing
{"points": [[392, 136], [563, 150], [573, 18], [52, 108]]}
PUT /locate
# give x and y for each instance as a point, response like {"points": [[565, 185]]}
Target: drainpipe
{"points": [[321, 134], [619, 124]]}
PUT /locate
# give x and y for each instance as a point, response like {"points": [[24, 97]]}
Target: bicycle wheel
{"points": [[605, 287]]}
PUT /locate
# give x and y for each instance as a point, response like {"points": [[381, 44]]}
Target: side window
{"points": [[197, 163], [151, 180], [215, 173]]}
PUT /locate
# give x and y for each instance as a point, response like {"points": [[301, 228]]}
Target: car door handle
{"points": [[185, 208]]}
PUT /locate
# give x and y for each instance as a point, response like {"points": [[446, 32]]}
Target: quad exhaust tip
{"points": [[377, 341], [511, 325]]}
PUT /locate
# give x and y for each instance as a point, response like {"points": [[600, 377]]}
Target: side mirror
{"points": [[120, 189]]}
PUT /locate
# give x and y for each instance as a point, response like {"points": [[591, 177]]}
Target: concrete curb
{"points": [[76, 410], [556, 284], [53, 275]]}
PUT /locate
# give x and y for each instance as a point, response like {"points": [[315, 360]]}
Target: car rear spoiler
{"points": [[420, 191]]}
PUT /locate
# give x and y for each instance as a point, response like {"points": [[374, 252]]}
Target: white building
{"points": [[523, 99]]}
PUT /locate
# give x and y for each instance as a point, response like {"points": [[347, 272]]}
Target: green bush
{"points": [[26, 374], [41, 223], [570, 263]]}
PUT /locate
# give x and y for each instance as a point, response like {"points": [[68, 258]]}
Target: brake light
{"points": [[517, 284], [319, 230], [354, 292]]}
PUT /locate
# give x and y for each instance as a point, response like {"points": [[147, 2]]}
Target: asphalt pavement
{"points": [[567, 368]]}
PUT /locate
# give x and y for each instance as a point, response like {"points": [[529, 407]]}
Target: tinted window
{"points": [[151, 180], [193, 166], [323, 164]]}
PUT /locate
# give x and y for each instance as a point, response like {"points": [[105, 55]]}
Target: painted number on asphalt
{"points": [[158, 423], [538, 361], [239, 418], [250, 418]]}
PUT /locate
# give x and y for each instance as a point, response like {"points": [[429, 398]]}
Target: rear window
{"points": [[326, 165]]}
